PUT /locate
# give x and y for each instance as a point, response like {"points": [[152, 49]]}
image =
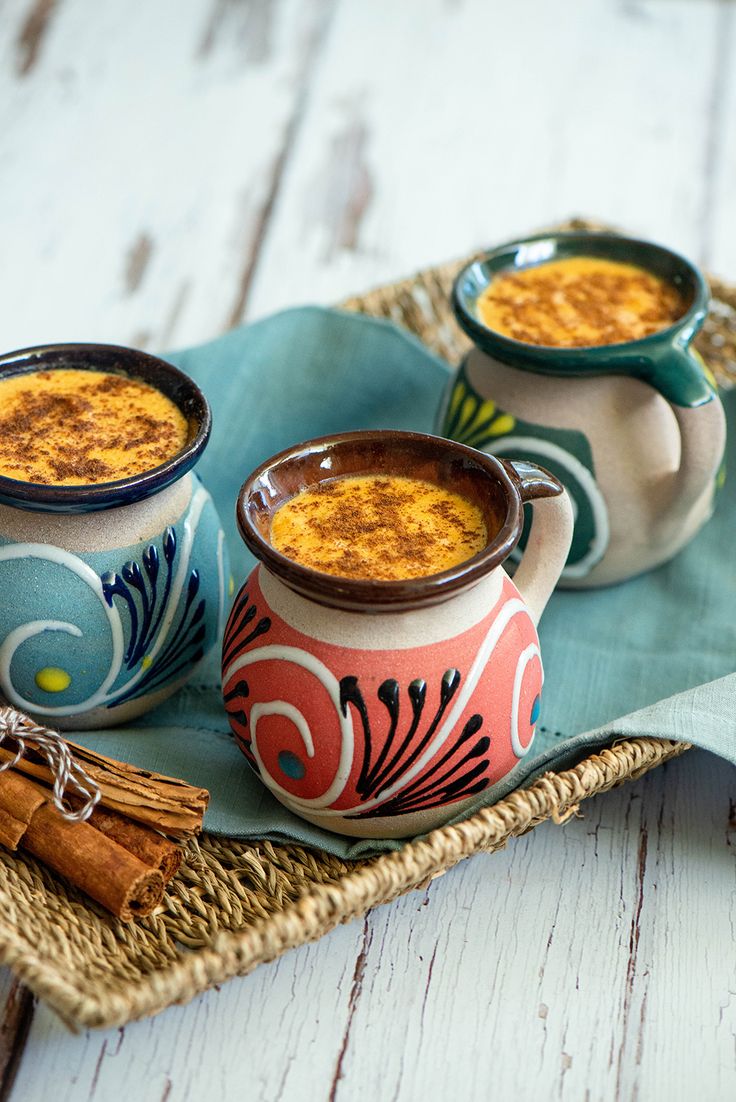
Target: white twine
{"points": [[70, 779]]}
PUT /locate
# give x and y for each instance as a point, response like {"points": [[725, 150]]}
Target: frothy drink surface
{"points": [[378, 527], [579, 302], [70, 427]]}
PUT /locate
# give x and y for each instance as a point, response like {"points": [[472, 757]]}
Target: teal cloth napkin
{"points": [[652, 657]]}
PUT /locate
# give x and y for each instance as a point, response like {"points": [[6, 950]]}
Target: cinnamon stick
{"points": [[100, 867], [164, 803], [11, 829], [19, 796], [18, 803], [90, 860], [149, 847]]}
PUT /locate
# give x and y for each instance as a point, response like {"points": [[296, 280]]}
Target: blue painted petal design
{"points": [[124, 624]]}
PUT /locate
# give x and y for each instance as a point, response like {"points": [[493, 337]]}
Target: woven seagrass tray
{"points": [[235, 905]]}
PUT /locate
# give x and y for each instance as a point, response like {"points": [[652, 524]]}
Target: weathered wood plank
{"points": [[15, 1020], [595, 957], [719, 210], [485, 121], [576, 964], [31, 34], [268, 1037], [140, 155]]}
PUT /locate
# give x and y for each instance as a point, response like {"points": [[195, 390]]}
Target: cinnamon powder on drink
{"points": [[579, 302], [77, 427], [378, 527]]}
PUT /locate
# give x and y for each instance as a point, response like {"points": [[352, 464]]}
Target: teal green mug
{"points": [[634, 430]]}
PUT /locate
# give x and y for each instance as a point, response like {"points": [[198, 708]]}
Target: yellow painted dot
{"points": [[53, 680], [231, 586], [147, 661]]}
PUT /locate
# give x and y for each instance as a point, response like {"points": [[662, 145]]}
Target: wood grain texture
{"points": [[31, 34], [719, 205], [541, 981], [150, 137], [167, 169], [15, 1019], [589, 960], [213, 1050], [488, 119]]}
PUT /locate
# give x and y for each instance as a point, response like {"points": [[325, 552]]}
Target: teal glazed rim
{"points": [[663, 359]]}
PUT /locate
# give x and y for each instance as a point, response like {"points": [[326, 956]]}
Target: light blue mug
{"points": [[110, 594]]}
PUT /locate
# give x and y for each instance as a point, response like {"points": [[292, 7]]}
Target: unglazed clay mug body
{"points": [[112, 593], [634, 431], [382, 708]]}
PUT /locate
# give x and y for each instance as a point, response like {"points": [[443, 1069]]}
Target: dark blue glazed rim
{"points": [[120, 361]]}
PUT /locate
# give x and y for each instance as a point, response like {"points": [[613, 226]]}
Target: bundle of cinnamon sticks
{"points": [[118, 856]]}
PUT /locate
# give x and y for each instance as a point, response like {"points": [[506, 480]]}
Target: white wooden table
{"points": [[171, 168]]}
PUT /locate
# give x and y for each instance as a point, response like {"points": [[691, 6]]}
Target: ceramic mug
{"points": [[110, 594], [382, 708], [634, 431]]}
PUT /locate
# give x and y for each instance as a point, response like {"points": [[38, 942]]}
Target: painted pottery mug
{"points": [[382, 708], [110, 594], [634, 431]]}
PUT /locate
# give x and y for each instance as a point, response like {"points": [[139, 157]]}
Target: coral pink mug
{"points": [[382, 708]]}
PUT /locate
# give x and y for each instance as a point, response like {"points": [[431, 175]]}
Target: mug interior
{"points": [[117, 360], [480, 478], [531, 252]]}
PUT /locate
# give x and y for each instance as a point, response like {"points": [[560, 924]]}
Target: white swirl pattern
{"points": [[526, 656], [329, 682], [102, 695], [513, 607], [533, 446]]}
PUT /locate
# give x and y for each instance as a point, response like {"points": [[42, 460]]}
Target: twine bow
{"points": [[70, 779]]}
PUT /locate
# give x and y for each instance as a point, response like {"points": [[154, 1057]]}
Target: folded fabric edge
{"points": [[355, 318]]}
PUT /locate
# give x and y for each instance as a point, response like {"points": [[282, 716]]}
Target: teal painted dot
{"points": [[536, 707], [291, 765]]}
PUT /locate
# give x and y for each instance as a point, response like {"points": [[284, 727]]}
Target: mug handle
{"points": [[702, 444], [680, 375], [550, 537]]}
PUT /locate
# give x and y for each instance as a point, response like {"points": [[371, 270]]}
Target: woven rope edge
{"points": [[553, 796]]}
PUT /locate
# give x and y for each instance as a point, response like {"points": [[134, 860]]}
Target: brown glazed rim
{"points": [[365, 595]]}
